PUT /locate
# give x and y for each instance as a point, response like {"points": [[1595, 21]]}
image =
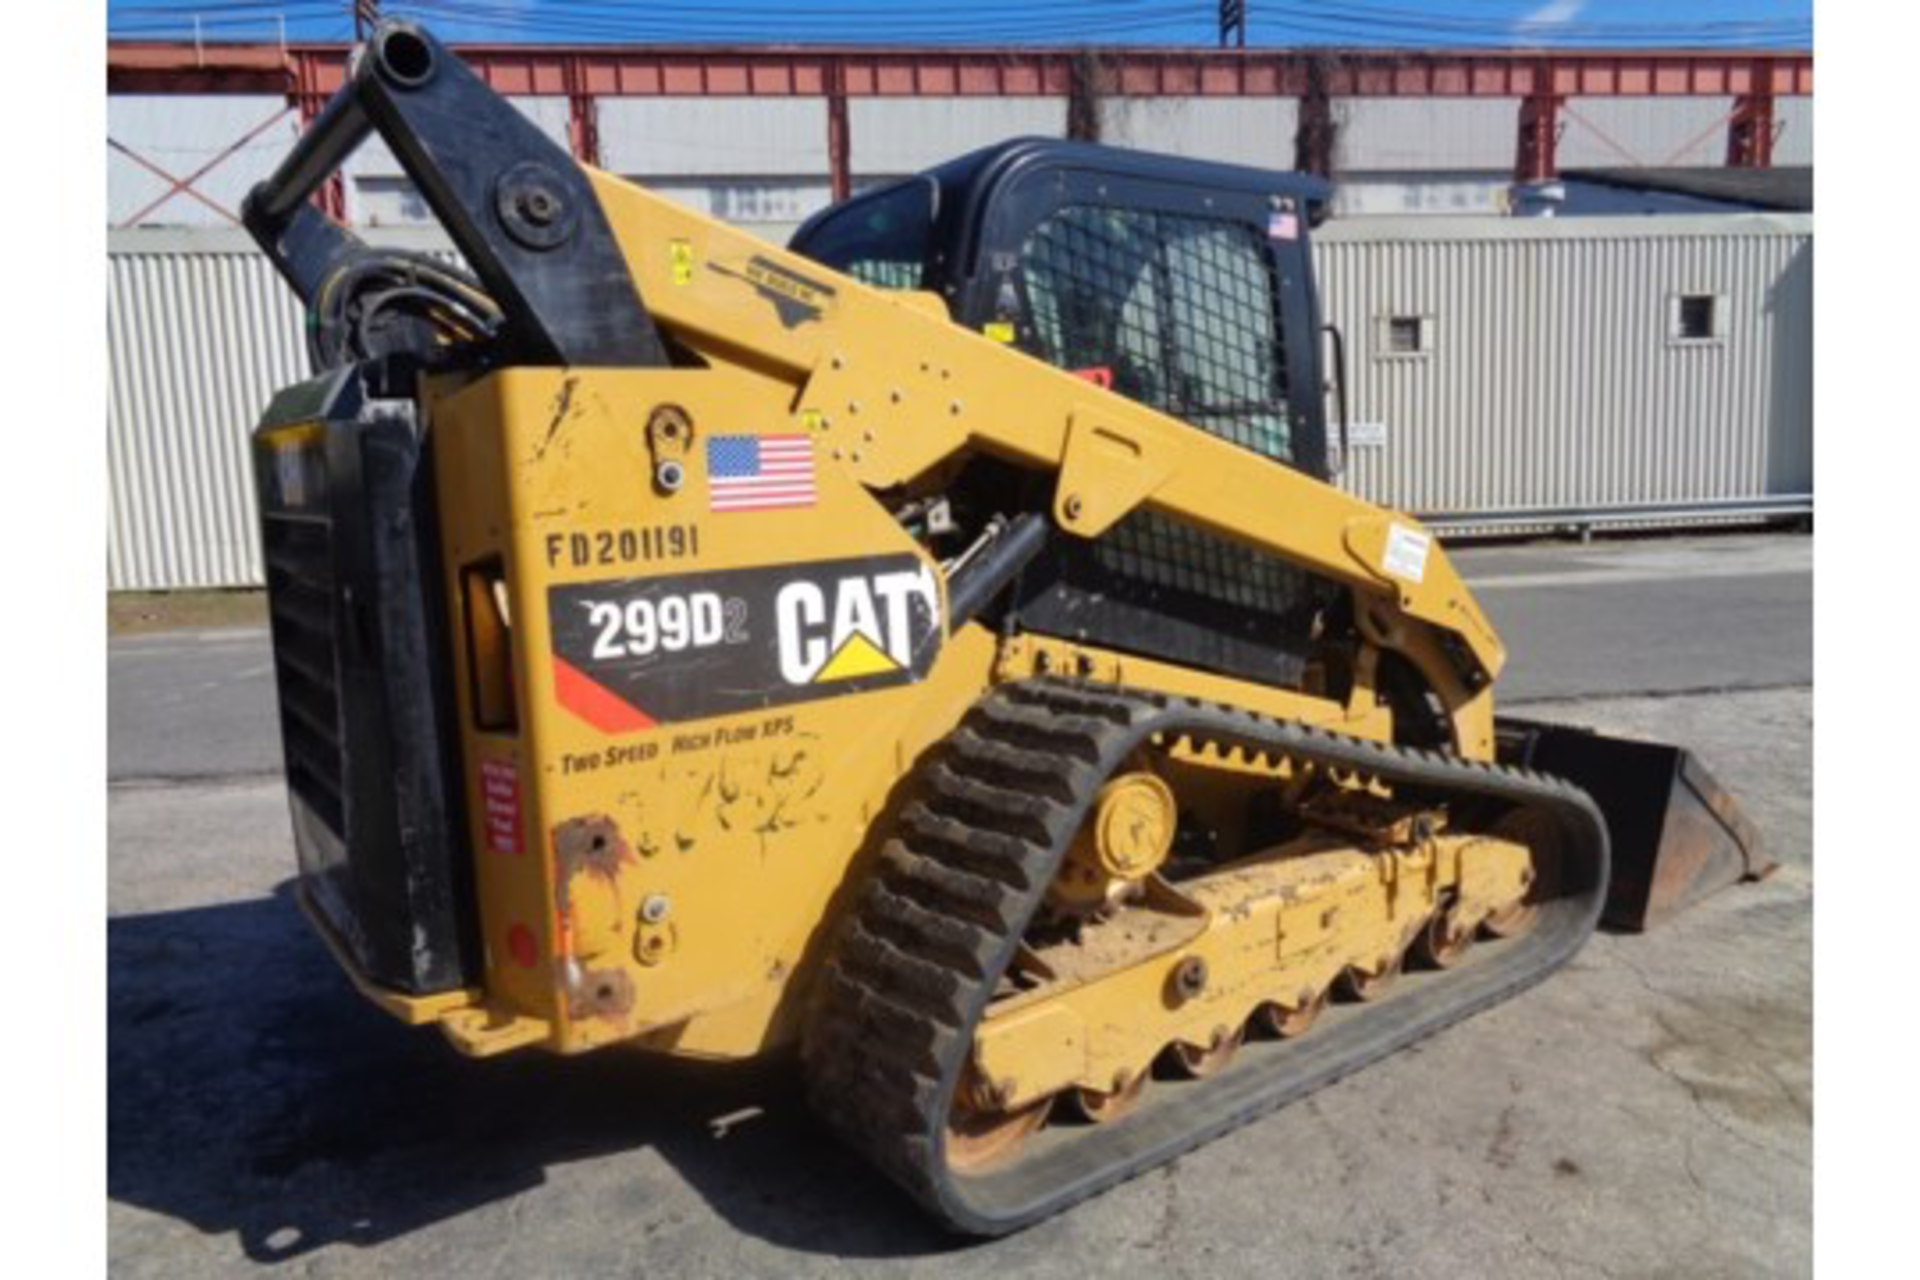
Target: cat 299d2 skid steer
{"points": [[936, 647]]}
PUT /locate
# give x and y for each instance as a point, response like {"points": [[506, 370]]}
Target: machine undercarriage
{"points": [[1036, 996]]}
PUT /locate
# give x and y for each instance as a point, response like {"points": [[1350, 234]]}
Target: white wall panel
{"points": [[1609, 133], [1250, 131], [893, 136], [713, 136], [1793, 117], [1425, 133], [1423, 193], [182, 132]]}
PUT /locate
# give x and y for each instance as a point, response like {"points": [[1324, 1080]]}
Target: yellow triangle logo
{"points": [[859, 656]]}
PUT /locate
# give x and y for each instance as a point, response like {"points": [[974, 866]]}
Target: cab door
{"points": [[1193, 299]]}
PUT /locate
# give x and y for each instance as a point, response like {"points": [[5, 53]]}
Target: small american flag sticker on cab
{"points": [[759, 473]]}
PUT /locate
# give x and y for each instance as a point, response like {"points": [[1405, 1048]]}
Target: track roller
{"points": [[1187, 1062], [1442, 944], [1362, 986], [1105, 1108], [1286, 1023]]}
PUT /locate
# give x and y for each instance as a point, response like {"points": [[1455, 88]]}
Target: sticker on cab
{"points": [[632, 653]]}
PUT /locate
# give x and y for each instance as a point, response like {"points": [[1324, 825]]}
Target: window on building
{"points": [[1695, 317], [1406, 335], [1402, 336]]}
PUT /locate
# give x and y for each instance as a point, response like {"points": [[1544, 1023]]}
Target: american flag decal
{"points": [[759, 473]]}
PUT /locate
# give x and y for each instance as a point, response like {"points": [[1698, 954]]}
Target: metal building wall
{"points": [[1424, 133], [892, 137], [1609, 132], [1551, 379], [760, 163], [1794, 118], [181, 133], [1385, 194], [1250, 131], [716, 137], [200, 334], [763, 161]]}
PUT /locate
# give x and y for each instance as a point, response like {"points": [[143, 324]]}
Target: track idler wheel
{"points": [[1513, 921], [1540, 837]]}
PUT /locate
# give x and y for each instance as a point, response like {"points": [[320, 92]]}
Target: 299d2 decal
{"points": [[632, 653], [671, 624]]}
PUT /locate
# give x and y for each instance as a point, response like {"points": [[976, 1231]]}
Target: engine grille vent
{"points": [[300, 594]]}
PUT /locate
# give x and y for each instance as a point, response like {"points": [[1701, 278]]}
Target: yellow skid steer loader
{"points": [[936, 647]]}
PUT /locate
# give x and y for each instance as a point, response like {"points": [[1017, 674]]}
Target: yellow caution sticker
{"points": [[813, 420], [680, 255], [998, 330]]}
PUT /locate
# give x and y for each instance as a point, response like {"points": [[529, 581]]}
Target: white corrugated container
{"points": [[200, 333], [1549, 378], [1550, 374]]}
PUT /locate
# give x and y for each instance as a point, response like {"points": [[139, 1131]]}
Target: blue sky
{"points": [[1486, 23]]}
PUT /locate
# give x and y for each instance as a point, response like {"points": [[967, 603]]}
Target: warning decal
{"points": [[1406, 555], [500, 800], [636, 652]]}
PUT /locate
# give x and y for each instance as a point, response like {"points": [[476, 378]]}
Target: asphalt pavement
{"points": [[1661, 616], [1645, 1112], [1651, 616]]}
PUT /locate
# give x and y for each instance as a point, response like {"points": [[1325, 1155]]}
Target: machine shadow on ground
{"points": [[251, 1091]]}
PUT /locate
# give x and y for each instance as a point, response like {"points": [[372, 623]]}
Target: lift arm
{"points": [[518, 208], [889, 386]]}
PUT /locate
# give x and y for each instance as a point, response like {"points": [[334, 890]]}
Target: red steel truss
{"points": [[305, 74]]}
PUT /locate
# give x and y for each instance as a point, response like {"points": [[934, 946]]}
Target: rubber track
{"points": [[919, 954]]}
